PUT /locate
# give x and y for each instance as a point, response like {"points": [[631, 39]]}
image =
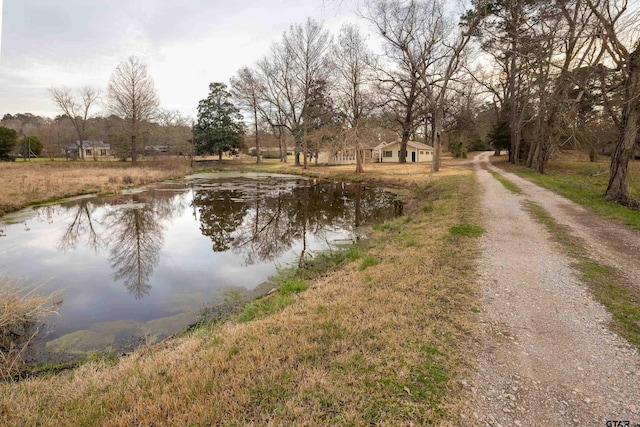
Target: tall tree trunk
{"points": [[402, 158], [134, 154], [298, 146], [255, 120], [359, 168], [436, 131], [281, 145], [512, 84], [618, 188], [304, 146], [551, 127]]}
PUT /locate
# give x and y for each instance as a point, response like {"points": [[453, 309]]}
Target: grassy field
{"points": [[28, 183], [381, 335], [572, 175]]}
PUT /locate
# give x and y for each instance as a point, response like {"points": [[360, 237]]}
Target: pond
{"points": [[141, 266]]}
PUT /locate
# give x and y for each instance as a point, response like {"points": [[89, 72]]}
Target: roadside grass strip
{"points": [[506, 183]]}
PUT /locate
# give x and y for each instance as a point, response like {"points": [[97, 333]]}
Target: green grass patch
{"points": [[428, 379], [48, 201], [353, 254], [271, 392], [427, 208], [265, 306], [293, 287], [387, 226], [325, 261], [506, 183], [466, 230], [408, 239], [605, 283], [270, 304], [368, 261]]}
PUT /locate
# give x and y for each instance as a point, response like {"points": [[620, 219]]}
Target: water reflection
{"points": [[144, 264], [130, 228], [82, 226], [260, 220]]}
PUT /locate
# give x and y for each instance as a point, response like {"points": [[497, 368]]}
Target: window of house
{"points": [[88, 152], [387, 154], [421, 152]]}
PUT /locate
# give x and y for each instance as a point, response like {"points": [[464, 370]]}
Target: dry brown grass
{"points": [[379, 345], [22, 310], [24, 184]]}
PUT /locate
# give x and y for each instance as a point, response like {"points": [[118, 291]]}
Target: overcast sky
{"points": [[186, 44]]}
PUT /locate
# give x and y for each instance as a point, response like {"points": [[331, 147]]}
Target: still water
{"points": [[141, 266]]}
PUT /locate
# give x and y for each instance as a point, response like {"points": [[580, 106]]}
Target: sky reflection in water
{"points": [[145, 264]]}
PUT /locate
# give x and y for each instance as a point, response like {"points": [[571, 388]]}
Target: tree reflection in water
{"points": [[262, 219], [136, 237], [82, 226], [259, 220], [132, 231]]}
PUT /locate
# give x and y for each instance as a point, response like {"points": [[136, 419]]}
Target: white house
{"points": [[91, 149], [389, 152], [345, 156]]}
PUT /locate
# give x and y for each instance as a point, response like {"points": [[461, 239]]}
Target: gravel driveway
{"points": [[547, 356]]}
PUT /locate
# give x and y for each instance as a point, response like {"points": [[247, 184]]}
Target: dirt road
{"points": [[548, 357]]}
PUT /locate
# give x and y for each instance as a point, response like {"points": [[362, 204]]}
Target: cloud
{"points": [[186, 45]]}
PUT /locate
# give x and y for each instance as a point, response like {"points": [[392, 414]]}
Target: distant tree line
{"points": [[527, 76]]}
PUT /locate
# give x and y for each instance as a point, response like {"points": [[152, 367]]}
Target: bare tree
{"points": [[574, 46], [247, 88], [352, 62], [289, 73], [408, 44], [175, 131], [281, 103], [76, 108], [307, 44], [617, 18], [132, 96], [446, 56]]}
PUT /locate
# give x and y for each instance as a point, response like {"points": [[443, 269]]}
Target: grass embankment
{"points": [[378, 339], [25, 183], [583, 182]]}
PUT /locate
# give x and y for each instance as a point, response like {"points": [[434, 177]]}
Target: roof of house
{"points": [[414, 144], [96, 144]]}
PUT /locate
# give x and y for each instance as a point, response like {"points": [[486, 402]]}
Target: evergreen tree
{"points": [[8, 140], [220, 126], [31, 146]]}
